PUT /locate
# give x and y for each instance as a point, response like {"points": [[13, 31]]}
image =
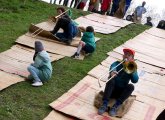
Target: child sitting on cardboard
{"points": [[87, 43]]}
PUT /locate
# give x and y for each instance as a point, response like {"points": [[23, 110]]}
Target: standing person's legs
{"points": [[114, 9], [71, 3], [65, 3], [60, 1]]}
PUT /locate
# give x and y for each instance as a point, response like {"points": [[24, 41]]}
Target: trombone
{"points": [[128, 66]]}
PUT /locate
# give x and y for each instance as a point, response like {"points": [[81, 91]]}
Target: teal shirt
{"points": [[122, 79], [43, 63], [89, 38]]}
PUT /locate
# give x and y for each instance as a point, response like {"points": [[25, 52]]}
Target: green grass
{"points": [[24, 102]]}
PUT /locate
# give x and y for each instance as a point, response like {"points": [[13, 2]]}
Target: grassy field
{"points": [[24, 102]]}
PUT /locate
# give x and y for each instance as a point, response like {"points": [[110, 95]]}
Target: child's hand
{"points": [[81, 28], [113, 73], [53, 18]]}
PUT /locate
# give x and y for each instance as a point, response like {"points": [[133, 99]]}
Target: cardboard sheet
{"points": [[78, 101], [48, 45], [156, 32], [54, 115], [7, 79], [47, 25], [18, 58], [40, 31], [104, 19], [100, 72], [144, 57], [147, 50], [98, 27]]}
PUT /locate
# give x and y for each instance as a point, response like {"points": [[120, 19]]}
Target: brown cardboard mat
{"points": [[18, 58], [98, 27], [49, 46], [47, 25], [148, 39], [78, 101], [156, 32], [7, 79], [54, 115], [113, 21], [40, 31], [145, 49], [100, 72]]}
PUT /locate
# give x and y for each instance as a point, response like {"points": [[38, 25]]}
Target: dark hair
{"points": [[61, 8], [149, 18], [89, 29]]}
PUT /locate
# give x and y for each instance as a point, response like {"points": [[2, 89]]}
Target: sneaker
{"points": [[113, 111], [102, 109], [37, 84], [68, 42], [76, 55]]}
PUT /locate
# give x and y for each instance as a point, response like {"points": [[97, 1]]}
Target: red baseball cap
{"points": [[129, 50]]}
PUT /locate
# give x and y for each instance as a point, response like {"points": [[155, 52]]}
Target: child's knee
{"points": [[82, 43]]}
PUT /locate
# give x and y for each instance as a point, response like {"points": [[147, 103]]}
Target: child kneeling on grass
{"points": [[41, 69], [87, 43]]}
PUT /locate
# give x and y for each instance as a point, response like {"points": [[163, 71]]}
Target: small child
{"points": [[41, 69], [87, 43]]}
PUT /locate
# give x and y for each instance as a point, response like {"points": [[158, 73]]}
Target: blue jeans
{"points": [[34, 73]]}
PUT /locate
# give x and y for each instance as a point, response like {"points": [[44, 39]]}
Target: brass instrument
{"points": [[128, 66]]}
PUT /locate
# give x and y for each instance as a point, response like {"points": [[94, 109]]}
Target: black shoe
{"points": [[68, 42], [76, 55]]}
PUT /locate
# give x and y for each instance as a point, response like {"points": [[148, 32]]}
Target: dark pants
{"points": [[161, 115], [121, 94], [88, 48], [115, 6]]}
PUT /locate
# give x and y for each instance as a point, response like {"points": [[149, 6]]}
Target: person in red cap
{"points": [[119, 87]]}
